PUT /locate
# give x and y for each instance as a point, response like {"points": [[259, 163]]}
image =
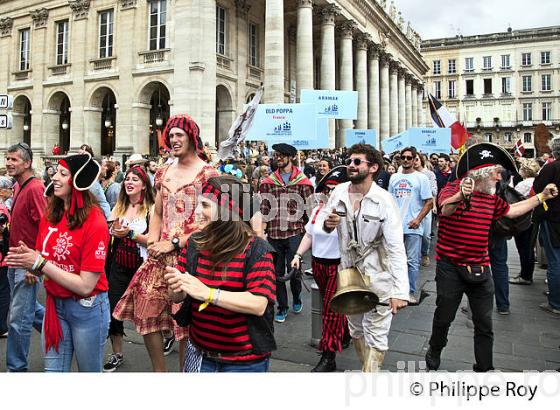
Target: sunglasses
{"points": [[407, 158], [26, 148], [355, 161]]}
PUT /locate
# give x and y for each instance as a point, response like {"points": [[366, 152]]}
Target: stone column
{"points": [[304, 62], [373, 90], [394, 99], [274, 52], [402, 94], [328, 62], [242, 11], [361, 80], [420, 112], [408, 101], [384, 98], [346, 73], [414, 103]]}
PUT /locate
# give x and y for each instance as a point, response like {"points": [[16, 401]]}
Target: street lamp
{"points": [[65, 125], [108, 123]]}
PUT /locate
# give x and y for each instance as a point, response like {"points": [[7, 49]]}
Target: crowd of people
{"points": [[200, 251]]}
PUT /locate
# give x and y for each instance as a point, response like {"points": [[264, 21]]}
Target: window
{"points": [[106, 34], [469, 85], [545, 57], [158, 17], [488, 137], [487, 86], [437, 89], [506, 85], [221, 19], [487, 63], [526, 59], [62, 42], [527, 111], [527, 138], [508, 137], [546, 82], [24, 49], [437, 67], [254, 45], [451, 89], [527, 86], [451, 67], [469, 64], [546, 111], [505, 62]]}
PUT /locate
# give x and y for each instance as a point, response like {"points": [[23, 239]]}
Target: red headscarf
{"points": [[187, 124], [77, 199]]}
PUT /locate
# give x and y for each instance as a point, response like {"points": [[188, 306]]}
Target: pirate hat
{"points": [[335, 176], [482, 155], [84, 170]]}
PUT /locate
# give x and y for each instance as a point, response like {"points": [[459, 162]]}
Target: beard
{"points": [[359, 177], [486, 186]]}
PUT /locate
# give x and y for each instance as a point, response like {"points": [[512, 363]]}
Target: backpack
{"points": [[261, 328], [509, 227]]}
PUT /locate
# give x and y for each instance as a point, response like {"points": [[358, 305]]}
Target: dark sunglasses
{"points": [[26, 148], [356, 161], [407, 158]]}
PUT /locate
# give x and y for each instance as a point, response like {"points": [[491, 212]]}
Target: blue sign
{"points": [[430, 140], [395, 143], [361, 137], [283, 123], [342, 105], [322, 140]]}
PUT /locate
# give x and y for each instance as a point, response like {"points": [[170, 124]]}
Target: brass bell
{"points": [[353, 294]]}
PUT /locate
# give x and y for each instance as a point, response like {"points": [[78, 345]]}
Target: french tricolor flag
{"points": [[442, 118]]}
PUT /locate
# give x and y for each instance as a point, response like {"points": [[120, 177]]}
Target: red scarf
{"points": [[77, 199]]}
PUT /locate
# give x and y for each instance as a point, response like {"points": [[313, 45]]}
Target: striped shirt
{"points": [[463, 236], [219, 330]]}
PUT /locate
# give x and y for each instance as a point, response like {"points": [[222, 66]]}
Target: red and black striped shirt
{"points": [[463, 236], [219, 330]]}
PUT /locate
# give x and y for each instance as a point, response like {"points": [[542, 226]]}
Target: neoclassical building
{"points": [[501, 85], [110, 72]]}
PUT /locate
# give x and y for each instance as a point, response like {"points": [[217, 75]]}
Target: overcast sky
{"points": [[447, 18]]}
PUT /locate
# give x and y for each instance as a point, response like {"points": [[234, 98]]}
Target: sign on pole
{"points": [[360, 137], [283, 123], [342, 105]]}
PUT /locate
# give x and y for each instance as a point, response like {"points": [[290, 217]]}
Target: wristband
{"points": [[39, 271], [37, 262], [207, 301], [215, 301], [540, 198], [297, 255]]}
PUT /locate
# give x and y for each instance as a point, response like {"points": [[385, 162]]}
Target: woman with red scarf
{"points": [[71, 249]]}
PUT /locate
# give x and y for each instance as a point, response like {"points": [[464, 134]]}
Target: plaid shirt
{"points": [[282, 226]]}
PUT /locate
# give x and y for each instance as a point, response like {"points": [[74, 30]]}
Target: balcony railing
{"points": [[255, 73], [99, 64], [59, 69], [223, 61], [21, 74], [154, 56]]}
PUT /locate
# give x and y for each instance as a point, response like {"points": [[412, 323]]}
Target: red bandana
{"points": [[77, 199]]}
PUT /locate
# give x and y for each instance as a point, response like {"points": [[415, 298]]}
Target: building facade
{"points": [[502, 85], [109, 73]]}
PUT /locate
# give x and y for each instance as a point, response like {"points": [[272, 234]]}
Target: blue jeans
{"points": [[84, 331], [25, 314], [413, 246], [553, 266], [427, 235], [211, 366], [4, 299], [498, 252]]}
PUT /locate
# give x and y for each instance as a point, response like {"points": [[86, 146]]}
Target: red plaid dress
{"points": [[146, 302]]}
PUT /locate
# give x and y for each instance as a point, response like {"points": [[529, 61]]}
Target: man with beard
{"points": [[467, 208], [413, 194], [285, 222], [371, 225]]}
